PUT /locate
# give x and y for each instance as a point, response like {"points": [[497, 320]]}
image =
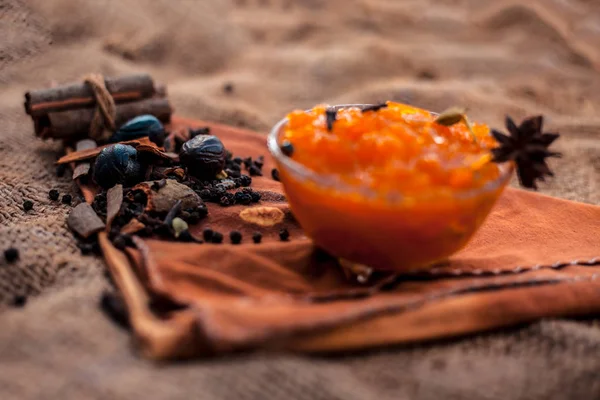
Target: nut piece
{"points": [[263, 216]]}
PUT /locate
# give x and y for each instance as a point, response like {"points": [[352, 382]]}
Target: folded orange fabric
{"points": [[535, 257]]}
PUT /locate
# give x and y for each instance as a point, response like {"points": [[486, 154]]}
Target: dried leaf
{"points": [[81, 170], [84, 220], [263, 216], [114, 200], [132, 226]]}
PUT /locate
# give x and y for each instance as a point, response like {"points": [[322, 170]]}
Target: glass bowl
{"points": [[397, 233]]}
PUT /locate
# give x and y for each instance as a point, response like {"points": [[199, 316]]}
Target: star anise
{"points": [[527, 146]]}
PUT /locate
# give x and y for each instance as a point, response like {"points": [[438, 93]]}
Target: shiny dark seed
{"points": [[53, 194], [255, 197], [257, 237], [66, 199], [235, 237], [284, 234], [11, 255]]}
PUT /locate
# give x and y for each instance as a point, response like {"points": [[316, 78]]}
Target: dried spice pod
{"points": [[204, 156], [118, 164], [114, 200], [454, 115], [84, 220], [140, 126], [163, 199], [527, 147]]}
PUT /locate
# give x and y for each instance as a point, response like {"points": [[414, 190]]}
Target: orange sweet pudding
{"points": [[386, 186]]}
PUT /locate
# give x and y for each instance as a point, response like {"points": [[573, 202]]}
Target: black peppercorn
{"points": [[60, 170], [53, 194], [205, 194], [228, 88], [245, 180], [260, 161], [237, 160], [257, 237], [204, 156], [202, 211], [236, 237], [254, 171], [217, 237], [114, 307], [228, 199], [66, 199], [120, 242], [11, 255], [207, 234], [275, 174], [242, 198], [27, 205], [86, 248], [232, 173], [186, 236], [287, 148], [19, 301], [255, 197], [284, 234]]}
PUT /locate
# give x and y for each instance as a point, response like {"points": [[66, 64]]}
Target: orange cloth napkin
{"points": [[535, 257]]}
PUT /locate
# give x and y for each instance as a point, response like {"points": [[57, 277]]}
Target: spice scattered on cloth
{"points": [[288, 295]]}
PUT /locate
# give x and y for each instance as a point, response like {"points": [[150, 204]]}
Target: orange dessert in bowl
{"points": [[387, 187]]}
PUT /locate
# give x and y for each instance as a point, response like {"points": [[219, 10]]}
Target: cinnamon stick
{"points": [[74, 124], [79, 95]]}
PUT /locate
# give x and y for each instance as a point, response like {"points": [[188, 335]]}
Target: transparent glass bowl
{"points": [[398, 233]]}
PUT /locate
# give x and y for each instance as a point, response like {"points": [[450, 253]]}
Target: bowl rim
{"points": [[334, 182]]}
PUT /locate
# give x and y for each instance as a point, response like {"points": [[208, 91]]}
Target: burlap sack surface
{"points": [[61, 346]]}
